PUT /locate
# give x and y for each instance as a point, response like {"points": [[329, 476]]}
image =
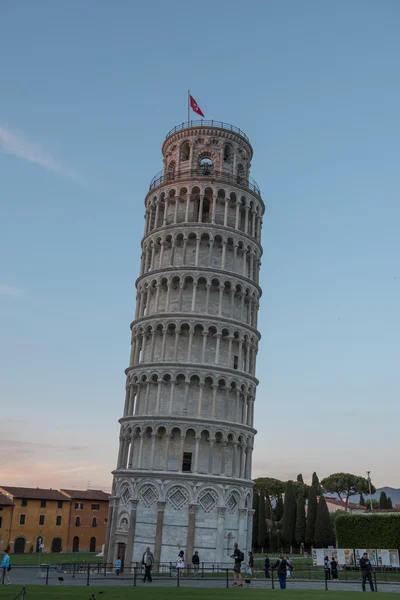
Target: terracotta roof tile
{"points": [[5, 500], [87, 495], [33, 493]]}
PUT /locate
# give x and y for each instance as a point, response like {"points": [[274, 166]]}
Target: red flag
{"points": [[194, 106]]}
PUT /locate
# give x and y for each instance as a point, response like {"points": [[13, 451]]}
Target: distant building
{"points": [[6, 512], [87, 520], [39, 518], [334, 504]]}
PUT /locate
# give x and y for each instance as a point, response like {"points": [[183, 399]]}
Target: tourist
{"points": [[148, 562], [180, 563], [238, 557], [250, 569], [267, 566], [366, 571], [290, 568], [118, 565], [196, 563], [334, 569], [281, 566], [327, 568], [5, 565]]}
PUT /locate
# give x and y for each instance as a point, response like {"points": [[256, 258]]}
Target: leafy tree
{"points": [[262, 524], [362, 500], [324, 535], [278, 510], [346, 485], [315, 482], [289, 515], [311, 515], [383, 500], [300, 519]]}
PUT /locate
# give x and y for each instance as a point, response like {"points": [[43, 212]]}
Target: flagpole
{"points": [[188, 108]]}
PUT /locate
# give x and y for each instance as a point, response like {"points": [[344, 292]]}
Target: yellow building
{"points": [[6, 512], [39, 517]]}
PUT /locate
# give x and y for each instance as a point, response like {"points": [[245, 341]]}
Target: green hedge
{"points": [[368, 531]]}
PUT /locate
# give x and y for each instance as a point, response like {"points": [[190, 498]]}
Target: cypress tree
{"points": [[300, 478], [255, 519], [324, 535], [262, 523], [389, 503], [300, 519], [383, 500], [311, 515], [278, 510], [316, 484], [289, 515]]}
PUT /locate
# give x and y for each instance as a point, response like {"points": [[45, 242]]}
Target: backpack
{"points": [[241, 556]]}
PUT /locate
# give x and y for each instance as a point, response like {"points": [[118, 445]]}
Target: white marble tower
{"points": [[183, 475]]}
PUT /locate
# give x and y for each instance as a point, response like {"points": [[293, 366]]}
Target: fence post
{"points": [[376, 586], [105, 569], [177, 578], [88, 574], [3, 575], [326, 580], [202, 569], [73, 571], [134, 576], [272, 579], [227, 578], [170, 569], [47, 575]]}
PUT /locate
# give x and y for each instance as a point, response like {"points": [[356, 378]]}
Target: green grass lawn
{"points": [[127, 593], [53, 559]]}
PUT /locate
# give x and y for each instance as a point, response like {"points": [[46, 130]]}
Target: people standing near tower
{"points": [[147, 561], [195, 563], [5, 565], [281, 566], [366, 571], [238, 557], [267, 566], [180, 563]]}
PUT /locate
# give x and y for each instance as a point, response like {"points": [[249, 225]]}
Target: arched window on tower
{"points": [[228, 153], [185, 151], [206, 165], [171, 170], [77, 522], [94, 522]]}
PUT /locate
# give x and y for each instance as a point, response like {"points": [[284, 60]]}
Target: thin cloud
{"points": [[17, 145], [10, 290]]}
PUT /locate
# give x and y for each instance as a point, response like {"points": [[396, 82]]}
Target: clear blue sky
{"points": [[88, 93]]}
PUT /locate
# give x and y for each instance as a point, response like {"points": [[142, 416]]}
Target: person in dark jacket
{"points": [[281, 566], [334, 572], [196, 563], [366, 571], [267, 566]]}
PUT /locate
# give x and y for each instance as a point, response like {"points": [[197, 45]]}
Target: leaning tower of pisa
{"points": [[183, 474]]}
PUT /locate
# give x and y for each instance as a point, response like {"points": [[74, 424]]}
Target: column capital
{"points": [[243, 512], [161, 505], [221, 511], [134, 504], [192, 509]]}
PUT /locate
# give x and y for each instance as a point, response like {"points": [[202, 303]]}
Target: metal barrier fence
{"points": [[166, 574]]}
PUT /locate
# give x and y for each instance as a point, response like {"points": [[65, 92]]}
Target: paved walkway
{"points": [[29, 576]]}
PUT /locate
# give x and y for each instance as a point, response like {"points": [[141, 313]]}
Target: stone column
{"points": [[171, 398], [226, 212], [201, 387], [242, 530], [127, 394], [112, 549], [159, 531], [210, 457], [196, 455], [203, 352], [237, 215], [221, 299], [120, 452], [190, 532], [214, 207], [157, 296], [131, 534], [110, 526], [196, 261], [250, 528], [130, 458], [208, 286], [214, 400], [159, 384], [140, 451], [176, 344], [153, 450], [181, 453], [194, 296], [167, 437], [217, 347], [176, 210], [223, 257], [221, 510], [210, 250]]}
